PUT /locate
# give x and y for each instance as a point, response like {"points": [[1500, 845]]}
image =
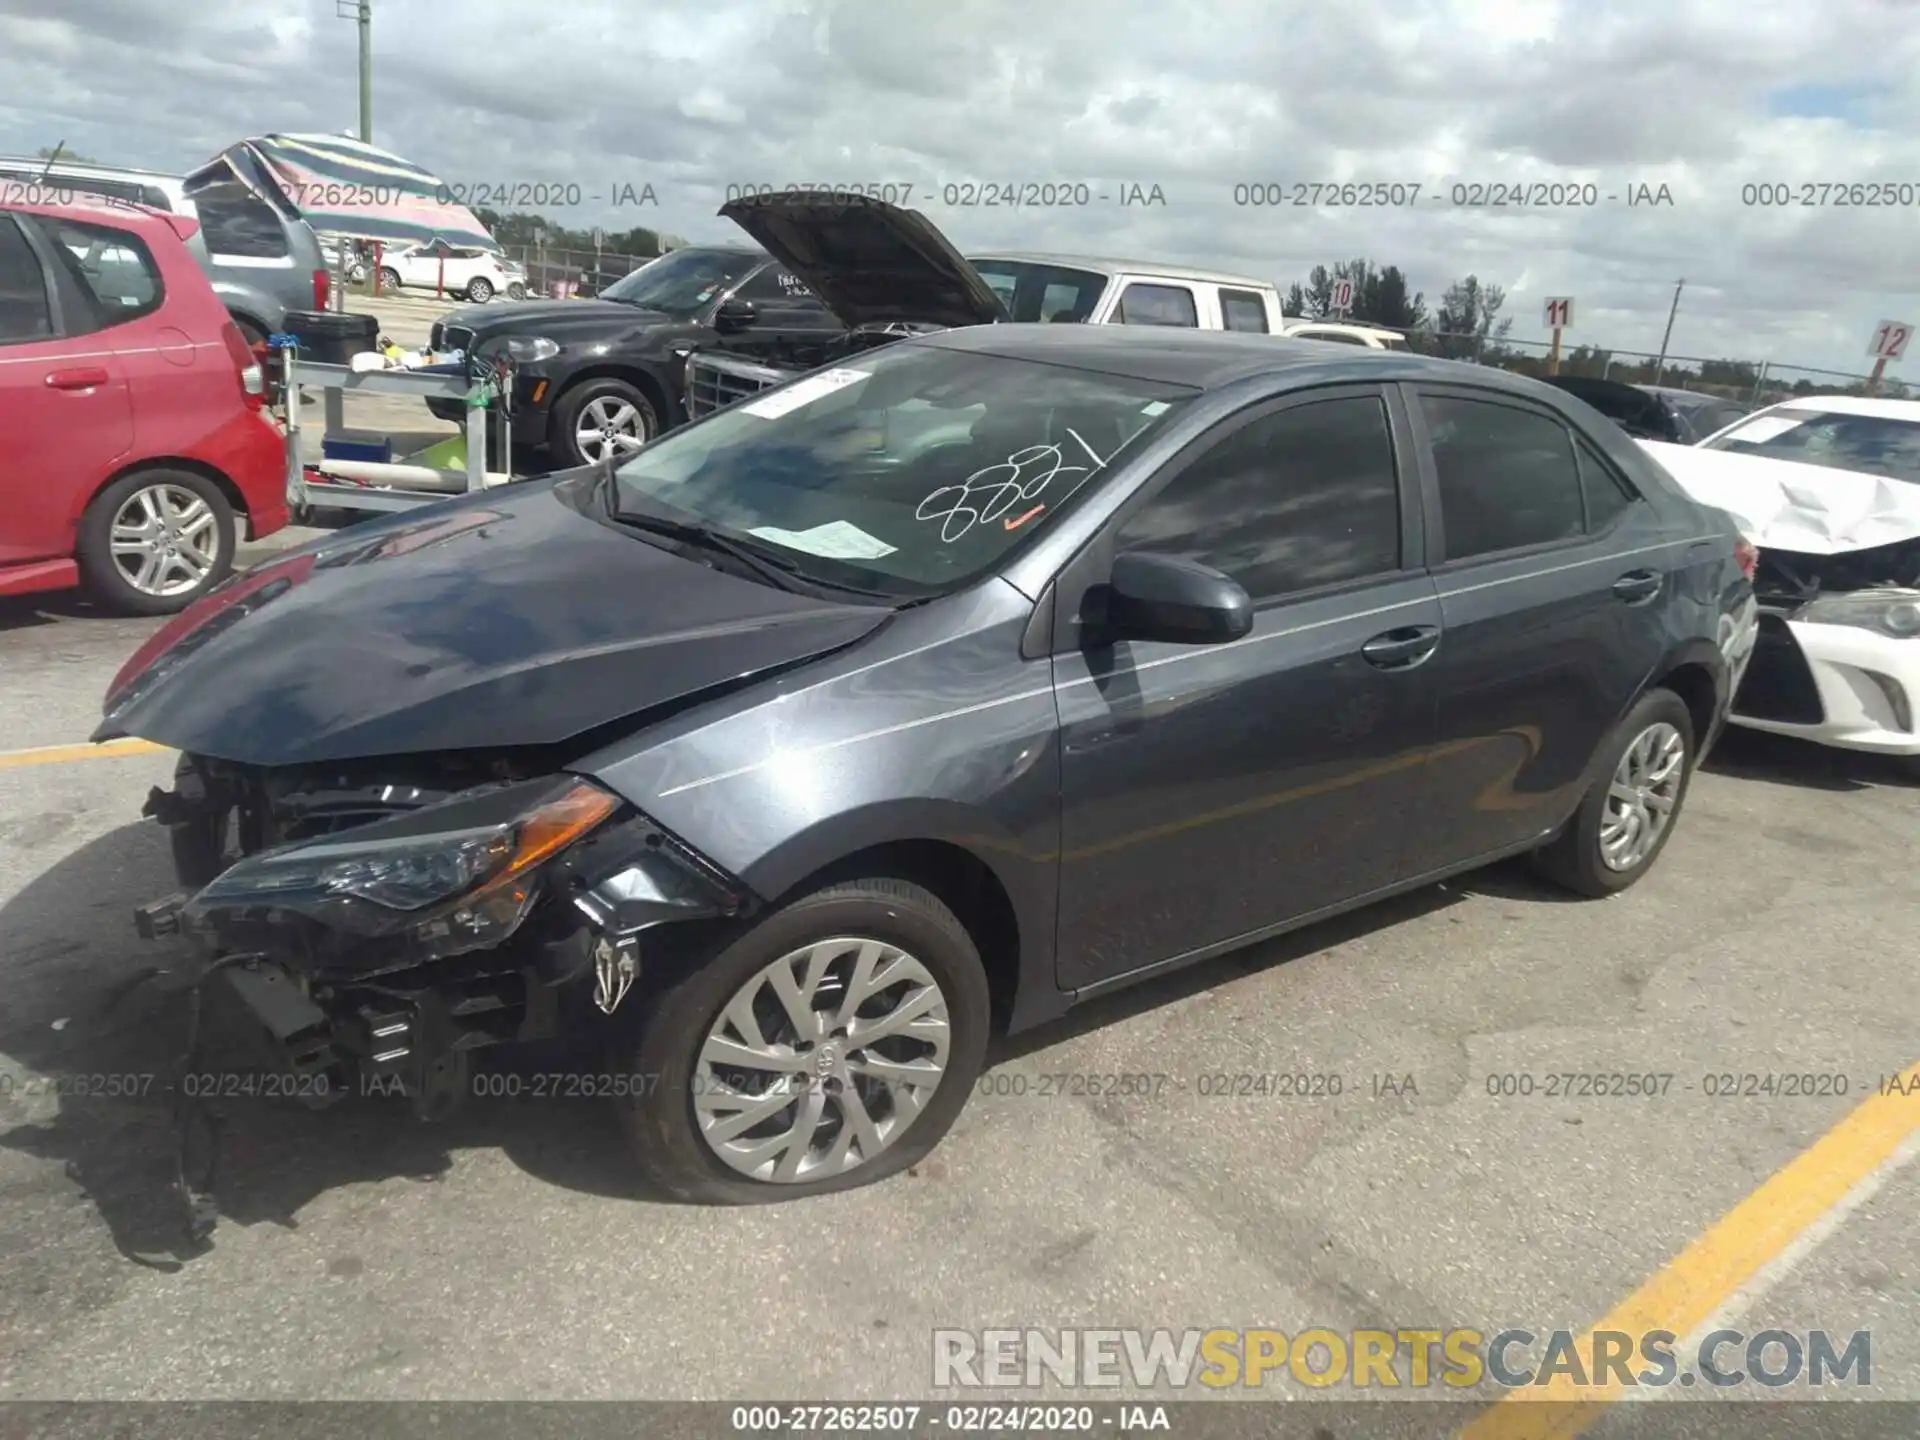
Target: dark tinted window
{"points": [[113, 267], [235, 221], [1297, 499], [1507, 476], [1243, 310], [1052, 294], [1604, 493], [776, 285], [1157, 305], [24, 313]]}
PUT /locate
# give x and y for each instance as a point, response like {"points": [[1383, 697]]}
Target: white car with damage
{"points": [[1828, 488]]}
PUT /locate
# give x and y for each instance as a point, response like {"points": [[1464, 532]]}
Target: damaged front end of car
{"points": [[377, 925]]}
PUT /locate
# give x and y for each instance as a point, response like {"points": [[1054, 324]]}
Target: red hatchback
{"points": [[134, 435]]}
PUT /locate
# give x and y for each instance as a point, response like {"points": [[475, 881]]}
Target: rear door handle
{"points": [[84, 377], [1402, 649], [1636, 587]]}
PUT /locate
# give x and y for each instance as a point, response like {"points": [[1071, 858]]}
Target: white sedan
{"points": [[476, 274], [1828, 488]]}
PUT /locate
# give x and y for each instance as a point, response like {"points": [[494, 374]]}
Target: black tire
{"points": [[389, 278], [1573, 859], [105, 578], [479, 291], [565, 420], [676, 1015]]}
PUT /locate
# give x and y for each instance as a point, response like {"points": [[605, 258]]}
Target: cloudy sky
{"points": [[1704, 97]]}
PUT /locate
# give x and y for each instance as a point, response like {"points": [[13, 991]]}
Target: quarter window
{"points": [[1507, 476], [1603, 492], [1243, 310], [1304, 497], [1158, 305]]}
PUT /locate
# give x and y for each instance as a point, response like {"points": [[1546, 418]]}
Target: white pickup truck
{"points": [[883, 271]]}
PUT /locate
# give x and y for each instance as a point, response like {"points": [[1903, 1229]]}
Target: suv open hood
{"points": [[871, 263], [1785, 505]]}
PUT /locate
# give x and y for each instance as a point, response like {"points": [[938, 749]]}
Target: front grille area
{"points": [[1779, 684], [714, 383]]}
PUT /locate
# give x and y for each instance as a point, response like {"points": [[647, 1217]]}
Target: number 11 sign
{"points": [[1560, 313]]}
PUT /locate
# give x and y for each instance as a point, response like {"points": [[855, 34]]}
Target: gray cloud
{"points": [[692, 95]]}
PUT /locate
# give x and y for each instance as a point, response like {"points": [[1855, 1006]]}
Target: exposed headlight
{"points": [[1894, 613], [455, 875], [528, 348]]}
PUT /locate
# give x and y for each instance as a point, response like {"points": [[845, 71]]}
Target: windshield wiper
{"points": [[765, 561]]}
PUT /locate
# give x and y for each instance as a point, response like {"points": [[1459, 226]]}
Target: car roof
{"points": [[80, 170], [1851, 405], [99, 208], [1111, 266], [1210, 359]]}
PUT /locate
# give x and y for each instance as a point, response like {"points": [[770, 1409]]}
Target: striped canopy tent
{"points": [[347, 188]]}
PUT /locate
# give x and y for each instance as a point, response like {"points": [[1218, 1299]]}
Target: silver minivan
{"points": [[263, 259]]}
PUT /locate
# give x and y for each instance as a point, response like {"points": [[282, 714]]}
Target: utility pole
{"points": [[361, 12], [1660, 365]]}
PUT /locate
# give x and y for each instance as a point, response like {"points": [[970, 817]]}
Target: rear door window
{"points": [[25, 313], [1142, 304], [1243, 310], [1507, 476], [238, 224], [112, 268]]}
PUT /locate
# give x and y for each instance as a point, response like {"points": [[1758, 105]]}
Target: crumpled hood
{"points": [[507, 618], [1785, 505]]}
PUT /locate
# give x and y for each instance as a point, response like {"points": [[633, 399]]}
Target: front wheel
{"points": [[1627, 816], [389, 279], [598, 418], [154, 542], [831, 1045]]}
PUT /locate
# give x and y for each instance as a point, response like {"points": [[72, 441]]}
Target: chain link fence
{"points": [[1756, 383]]}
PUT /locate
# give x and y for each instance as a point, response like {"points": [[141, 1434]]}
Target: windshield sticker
{"points": [[836, 540], [1756, 432], [1154, 407], [991, 492], [804, 392]]}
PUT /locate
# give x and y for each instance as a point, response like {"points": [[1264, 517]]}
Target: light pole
{"points": [[361, 11], [1660, 365]]}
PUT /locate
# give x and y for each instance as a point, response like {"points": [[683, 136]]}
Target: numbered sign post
{"points": [[1342, 297], [1559, 316], [1889, 343]]}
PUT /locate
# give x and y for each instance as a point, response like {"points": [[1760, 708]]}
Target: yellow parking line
{"points": [[60, 754], [1711, 1270]]}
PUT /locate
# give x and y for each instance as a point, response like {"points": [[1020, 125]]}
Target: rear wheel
{"points": [[831, 1045], [479, 290], [155, 541], [1627, 816]]}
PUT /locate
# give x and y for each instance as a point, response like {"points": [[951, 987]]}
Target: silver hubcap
{"points": [[821, 1061], [1640, 801], [609, 424], [481, 291], [165, 540]]}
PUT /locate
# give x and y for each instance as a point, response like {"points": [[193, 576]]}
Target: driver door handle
{"points": [[1402, 649], [1636, 587], [81, 377]]}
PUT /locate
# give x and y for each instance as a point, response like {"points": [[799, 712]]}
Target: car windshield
{"points": [[681, 282], [909, 473], [1033, 292], [1871, 444]]}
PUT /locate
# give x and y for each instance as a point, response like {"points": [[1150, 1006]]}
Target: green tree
{"points": [[1468, 324]]}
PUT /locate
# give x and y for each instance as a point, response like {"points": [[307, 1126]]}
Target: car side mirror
{"points": [[1181, 602], [734, 314]]}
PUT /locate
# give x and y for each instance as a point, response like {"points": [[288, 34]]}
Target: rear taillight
{"points": [[253, 381], [1747, 556], [322, 289]]}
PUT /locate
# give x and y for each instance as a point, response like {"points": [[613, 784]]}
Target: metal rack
{"points": [[384, 488]]}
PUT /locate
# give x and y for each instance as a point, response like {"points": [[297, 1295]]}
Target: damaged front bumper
{"points": [[382, 958]]}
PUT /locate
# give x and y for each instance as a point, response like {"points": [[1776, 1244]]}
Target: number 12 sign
{"points": [[1560, 313], [1890, 340]]}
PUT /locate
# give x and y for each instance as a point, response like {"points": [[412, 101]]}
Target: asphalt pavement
{"points": [[508, 1253]]}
